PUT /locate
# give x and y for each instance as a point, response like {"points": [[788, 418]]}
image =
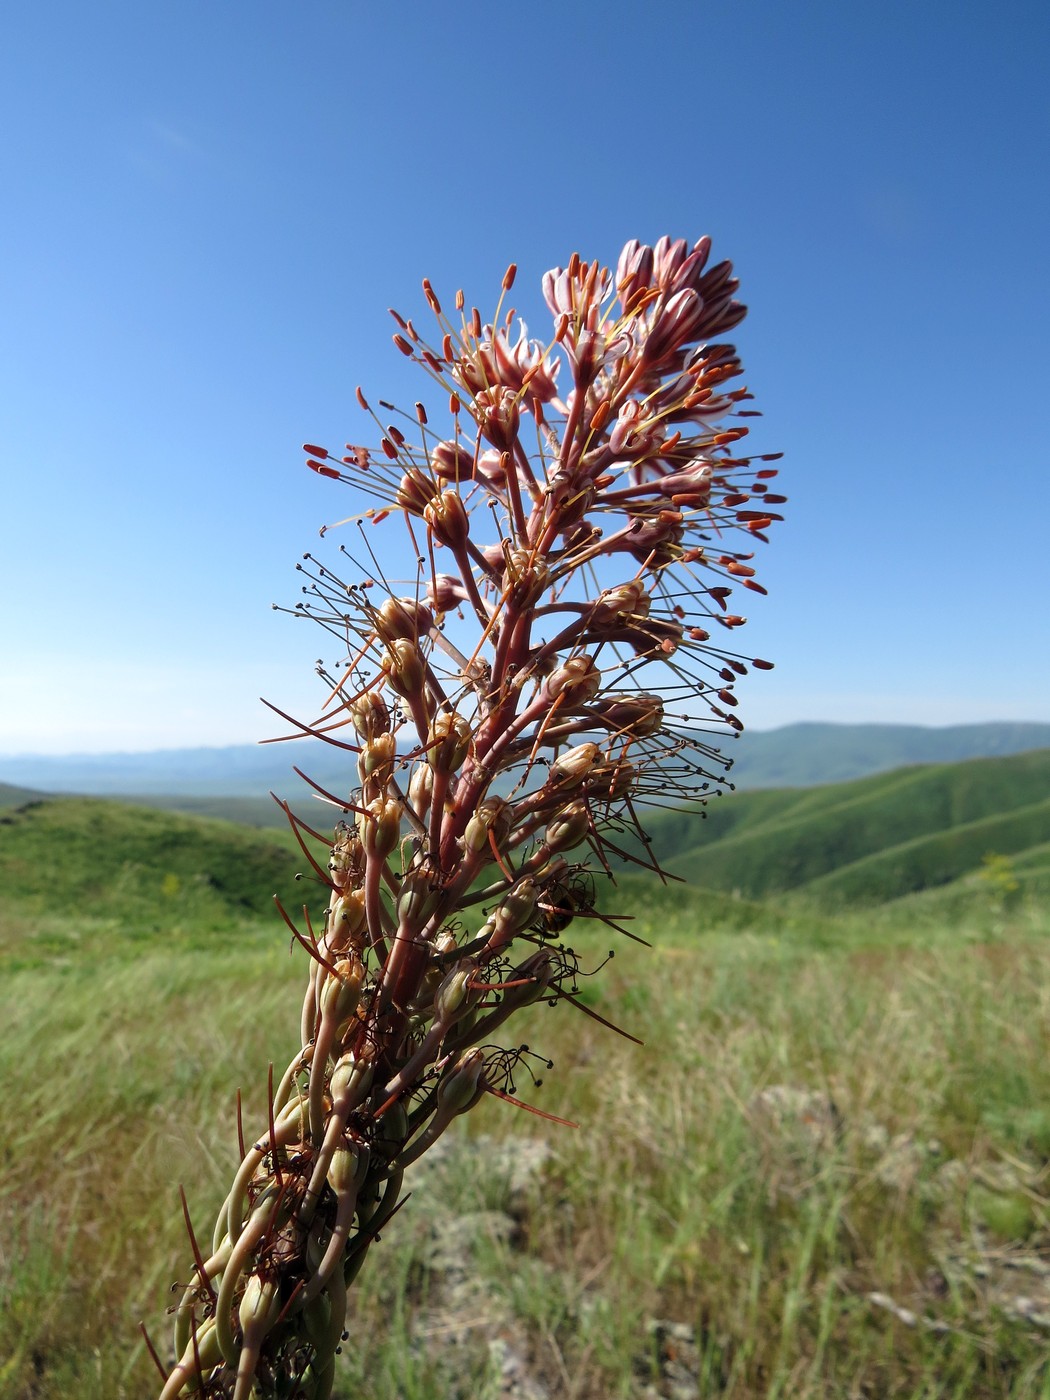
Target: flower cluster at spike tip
{"points": [[559, 657]]}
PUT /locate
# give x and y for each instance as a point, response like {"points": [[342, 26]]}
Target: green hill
{"points": [[870, 840], [98, 872], [17, 796], [76, 868]]}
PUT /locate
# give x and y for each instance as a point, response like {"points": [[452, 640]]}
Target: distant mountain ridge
{"points": [[796, 755], [940, 840], [811, 754]]}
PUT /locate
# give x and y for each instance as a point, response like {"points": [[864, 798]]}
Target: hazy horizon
{"points": [[720, 740]]}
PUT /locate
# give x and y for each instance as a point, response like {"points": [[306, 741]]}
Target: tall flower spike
{"points": [[547, 672]]}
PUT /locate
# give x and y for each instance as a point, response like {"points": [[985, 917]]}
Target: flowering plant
{"points": [[548, 667]]}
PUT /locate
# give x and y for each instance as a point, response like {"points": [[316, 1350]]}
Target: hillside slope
{"points": [[17, 796], [80, 855], [873, 839]]}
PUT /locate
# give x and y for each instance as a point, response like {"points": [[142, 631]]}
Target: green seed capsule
{"points": [[316, 1317], [417, 899], [516, 909], [492, 816], [449, 742], [403, 667], [452, 997], [461, 1088], [260, 1303], [375, 763], [347, 1168], [380, 826], [207, 1350], [569, 827], [393, 1126], [341, 992], [346, 918], [369, 714], [352, 1077]]}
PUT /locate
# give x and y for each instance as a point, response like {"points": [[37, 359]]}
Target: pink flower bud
{"points": [[450, 461], [625, 602], [575, 764], [494, 557], [690, 488], [445, 593], [668, 256], [676, 325], [634, 272], [557, 291], [576, 682], [635, 714], [447, 517], [490, 467], [402, 617]]}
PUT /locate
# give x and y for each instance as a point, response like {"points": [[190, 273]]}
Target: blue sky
{"points": [[207, 209]]}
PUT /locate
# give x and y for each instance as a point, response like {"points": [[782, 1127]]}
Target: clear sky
{"points": [[207, 208]]}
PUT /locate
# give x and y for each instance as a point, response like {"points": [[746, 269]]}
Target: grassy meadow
{"points": [[825, 1173]]}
